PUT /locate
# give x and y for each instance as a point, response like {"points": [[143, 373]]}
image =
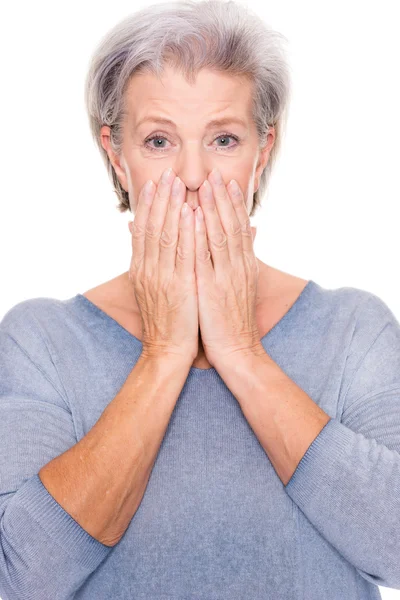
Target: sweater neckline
{"points": [[80, 298]]}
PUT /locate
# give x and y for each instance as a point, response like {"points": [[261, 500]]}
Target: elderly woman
{"points": [[203, 425]]}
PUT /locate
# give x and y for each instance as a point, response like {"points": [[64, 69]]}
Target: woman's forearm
{"points": [[100, 481]]}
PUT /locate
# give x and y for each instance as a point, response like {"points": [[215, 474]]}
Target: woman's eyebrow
{"points": [[212, 123]]}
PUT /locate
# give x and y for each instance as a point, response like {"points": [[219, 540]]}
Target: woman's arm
{"points": [[100, 481]]}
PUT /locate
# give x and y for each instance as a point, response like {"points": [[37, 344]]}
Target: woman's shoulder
{"points": [[28, 362], [35, 315], [47, 328], [362, 311]]}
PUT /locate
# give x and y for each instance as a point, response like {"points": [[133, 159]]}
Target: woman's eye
{"points": [[224, 137], [159, 148], [154, 137]]}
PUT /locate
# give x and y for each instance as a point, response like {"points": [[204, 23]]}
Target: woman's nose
{"points": [[193, 169]]}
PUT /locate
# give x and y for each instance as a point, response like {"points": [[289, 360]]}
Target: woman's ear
{"points": [[114, 158], [263, 157]]}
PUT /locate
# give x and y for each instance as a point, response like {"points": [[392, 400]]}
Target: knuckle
{"points": [[246, 227], [166, 241], [151, 228], [204, 254], [161, 195], [219, 240], [182, 252], [235, 229], [137, 230]]}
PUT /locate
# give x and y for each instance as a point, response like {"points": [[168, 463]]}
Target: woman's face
{"points": [[189, 144]]}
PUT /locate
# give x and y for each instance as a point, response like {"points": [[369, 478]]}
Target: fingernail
{"points": [[234, 187], [148, 187], [166, 175], [207, 188], [176, 186]]}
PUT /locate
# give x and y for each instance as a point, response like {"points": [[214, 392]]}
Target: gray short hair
{"points": [[189, 35]]}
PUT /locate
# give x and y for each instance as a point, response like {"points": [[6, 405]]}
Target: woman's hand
{"points": [[226, 273], [162, 270]]}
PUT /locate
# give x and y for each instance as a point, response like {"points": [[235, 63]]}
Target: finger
{"points": [[185, 250], [155, 222], [170, 233], [239, 205], [138, 228], [204, 267], [228, 218], [217, 240]]}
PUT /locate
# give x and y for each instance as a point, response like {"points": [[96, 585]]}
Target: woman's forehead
{"points": [[206, 81], [213, 95]]}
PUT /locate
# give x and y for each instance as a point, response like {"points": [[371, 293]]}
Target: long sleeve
{"points": [[44, 552], [348, 482]]}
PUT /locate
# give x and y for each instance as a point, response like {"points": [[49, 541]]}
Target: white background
{"points": [[333, 206]]}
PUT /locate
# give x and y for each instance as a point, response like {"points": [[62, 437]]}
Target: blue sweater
{"points": [[215, 522]]}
